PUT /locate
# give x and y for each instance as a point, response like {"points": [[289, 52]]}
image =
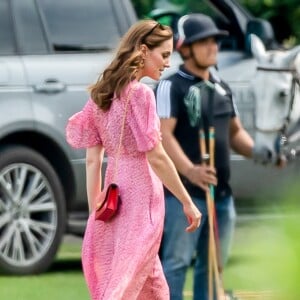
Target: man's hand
{"points": [[202, 176], [262, 155]]}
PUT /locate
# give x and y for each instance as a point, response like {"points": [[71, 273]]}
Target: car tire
{"points": [[32, 211]]}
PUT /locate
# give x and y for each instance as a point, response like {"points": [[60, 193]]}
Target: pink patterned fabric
{"points": [[120, 258]]}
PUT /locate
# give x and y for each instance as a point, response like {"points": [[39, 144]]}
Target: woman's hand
{"points": [[193, 216]]}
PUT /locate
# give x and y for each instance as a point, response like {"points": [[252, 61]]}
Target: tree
{"points": [[284, 15]]}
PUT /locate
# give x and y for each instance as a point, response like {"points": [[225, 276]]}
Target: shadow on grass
{"points": [[240, 259], [59, 266], [66, 265]]}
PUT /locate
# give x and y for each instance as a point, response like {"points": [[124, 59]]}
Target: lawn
{"points": [[63, 281], [255, 265]]}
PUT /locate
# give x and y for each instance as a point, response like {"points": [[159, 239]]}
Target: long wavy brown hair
{"points": [[128, 61]]}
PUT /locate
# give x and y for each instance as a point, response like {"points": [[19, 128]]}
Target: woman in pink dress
{"points": [[120, 257]]}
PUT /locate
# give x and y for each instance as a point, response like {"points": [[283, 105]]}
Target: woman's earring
{"points": [[142, 63]]}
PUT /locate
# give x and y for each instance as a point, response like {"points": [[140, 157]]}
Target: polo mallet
{"points": [[213, 257]]}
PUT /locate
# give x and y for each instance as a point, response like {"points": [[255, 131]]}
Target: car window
{"points": [[77, 25], [30, 33], [7, 43]]}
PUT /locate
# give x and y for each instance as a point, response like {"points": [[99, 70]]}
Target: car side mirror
{"points": [[264, 30]]}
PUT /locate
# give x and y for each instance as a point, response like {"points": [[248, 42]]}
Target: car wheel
{"points": [[32, 211]]}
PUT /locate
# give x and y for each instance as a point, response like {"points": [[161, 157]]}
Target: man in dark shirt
{"points": [[182, 106]]}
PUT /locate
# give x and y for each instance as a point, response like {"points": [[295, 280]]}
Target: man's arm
{"points": [[240, 140], [197, 174], [171, 145], [242, 143]]}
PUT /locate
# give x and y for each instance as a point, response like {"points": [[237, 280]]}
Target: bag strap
{"points": [[121, 134]]}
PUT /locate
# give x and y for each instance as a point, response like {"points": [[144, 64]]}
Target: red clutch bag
{"points": [[109, 206]]}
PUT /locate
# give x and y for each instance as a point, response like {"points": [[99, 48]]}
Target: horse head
{"points": [[276, 89]]}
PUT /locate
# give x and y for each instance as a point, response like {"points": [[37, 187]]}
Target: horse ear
{"points": [[290, 56], [257, 48]]}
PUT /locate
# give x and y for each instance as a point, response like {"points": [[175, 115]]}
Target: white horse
{"points": [[276, 88]]}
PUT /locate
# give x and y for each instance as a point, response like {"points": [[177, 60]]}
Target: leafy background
{"points": [[284, 15]]}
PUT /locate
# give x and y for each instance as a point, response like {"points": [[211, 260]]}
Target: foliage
{"points": [[284, 15], [143, 7]]}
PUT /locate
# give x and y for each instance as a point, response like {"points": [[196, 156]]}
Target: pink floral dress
{"points": [[120, 258]]}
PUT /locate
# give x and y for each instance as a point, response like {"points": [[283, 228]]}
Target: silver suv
{"points": [[49, 52]]}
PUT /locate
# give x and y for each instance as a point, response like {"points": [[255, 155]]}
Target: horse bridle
{"points": [[282, 139], [295, 82]]}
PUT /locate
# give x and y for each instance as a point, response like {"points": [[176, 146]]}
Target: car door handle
{"points": [[50, 86]]}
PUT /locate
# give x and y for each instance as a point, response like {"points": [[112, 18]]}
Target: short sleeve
{"points": [[145, 123], [235, 112], [81, 131], [234, 109], [167, 99]]}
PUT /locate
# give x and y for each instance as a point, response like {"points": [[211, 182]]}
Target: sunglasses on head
{"points": [[157, 25]]}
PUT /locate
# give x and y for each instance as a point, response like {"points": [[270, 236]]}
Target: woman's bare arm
{"points": [[94, 160], [164, 168]]}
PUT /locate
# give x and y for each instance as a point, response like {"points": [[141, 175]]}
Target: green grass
{"points": [[264, 257], [255, 264], [62, 282], [246, 268]]}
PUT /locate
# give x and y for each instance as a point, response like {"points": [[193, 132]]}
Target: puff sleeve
{"points": [[81, 130], [145, 123]]}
